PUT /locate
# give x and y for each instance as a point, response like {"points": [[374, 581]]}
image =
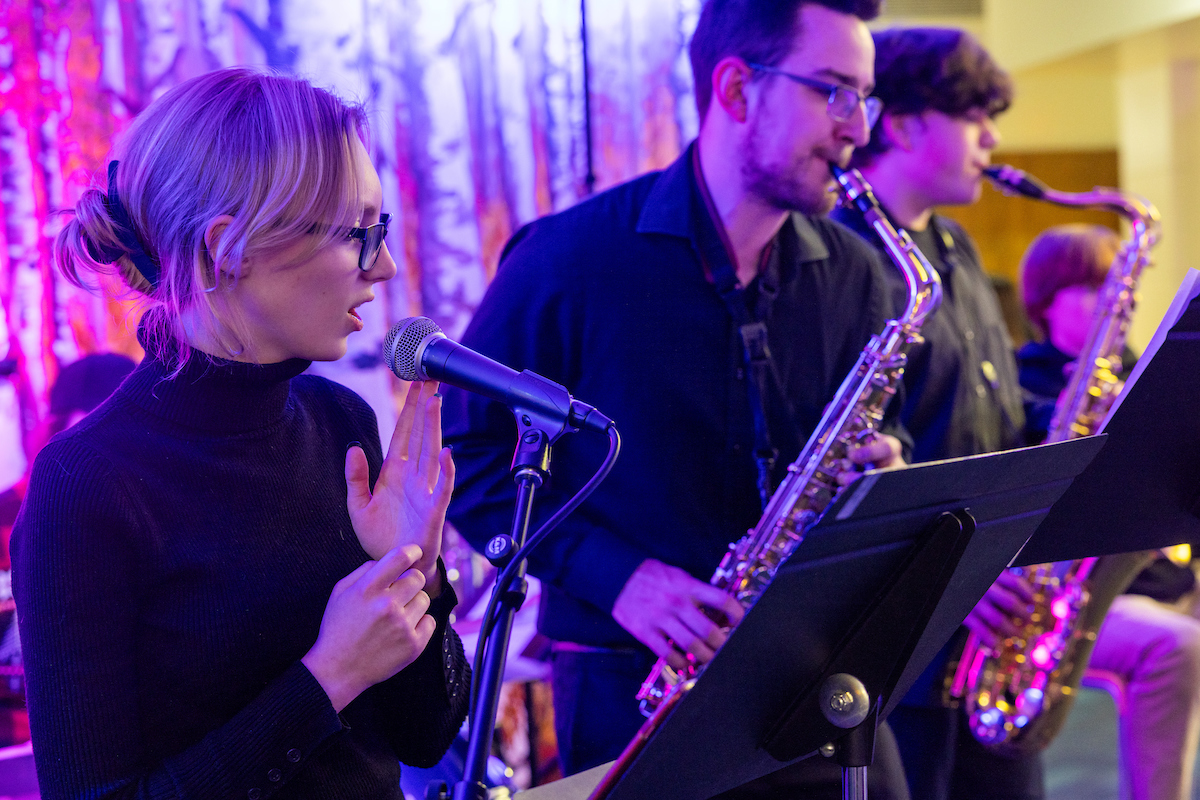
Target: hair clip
{"points": [[124, 229]]}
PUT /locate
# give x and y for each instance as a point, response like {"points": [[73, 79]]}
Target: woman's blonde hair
{"points": [[275, 153]]}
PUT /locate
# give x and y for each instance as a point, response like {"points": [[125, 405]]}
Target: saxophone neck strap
{"points": [[717, 261]]}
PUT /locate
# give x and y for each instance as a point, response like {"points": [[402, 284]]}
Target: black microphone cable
{"points": [[505, 578]]}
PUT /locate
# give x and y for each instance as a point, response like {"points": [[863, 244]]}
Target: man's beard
{"points": [[781, 187]]}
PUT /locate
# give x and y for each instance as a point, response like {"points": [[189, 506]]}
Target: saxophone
{"points": [[811, 483], [1018, 696]]}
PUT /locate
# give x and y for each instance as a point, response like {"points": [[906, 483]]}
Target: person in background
{"points": [[1146, 640], [80, 387], [942, 92], [224, 589]]}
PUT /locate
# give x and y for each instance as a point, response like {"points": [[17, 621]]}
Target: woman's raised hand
{"points": [[408, 505]]}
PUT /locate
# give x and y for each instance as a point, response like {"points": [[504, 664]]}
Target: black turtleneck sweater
{"points": [[172, 564]]}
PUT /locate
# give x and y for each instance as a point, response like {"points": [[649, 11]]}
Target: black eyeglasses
{"points": [[843, 100], [372, 238]]}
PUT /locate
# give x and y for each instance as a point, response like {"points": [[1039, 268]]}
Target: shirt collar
{"points": [[668, 206], [668, 210]]}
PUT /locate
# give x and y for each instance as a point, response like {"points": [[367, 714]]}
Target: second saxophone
{"points": [[1017, 697]]}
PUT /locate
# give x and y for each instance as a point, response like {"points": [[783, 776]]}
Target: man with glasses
{"points": [[712, 311], [942, 92]]}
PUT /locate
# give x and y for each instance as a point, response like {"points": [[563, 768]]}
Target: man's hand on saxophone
{"points": [[994, 618], [877, 451], [672, 613]]}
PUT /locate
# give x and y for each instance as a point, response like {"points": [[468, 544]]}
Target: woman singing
{"points": [[224, 589]]}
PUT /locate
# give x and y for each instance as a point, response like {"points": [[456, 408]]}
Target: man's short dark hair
{"points": [[933, 69], [758, 31]]}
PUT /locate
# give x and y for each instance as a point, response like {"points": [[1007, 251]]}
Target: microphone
{"points": [[415, 349]]}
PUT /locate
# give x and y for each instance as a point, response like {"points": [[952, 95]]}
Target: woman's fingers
{"points": [[358, 478], [431, 434], [394, 567], [405, 421]]}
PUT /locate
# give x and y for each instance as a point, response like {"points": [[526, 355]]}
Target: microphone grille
{"points": [[402, 345]]}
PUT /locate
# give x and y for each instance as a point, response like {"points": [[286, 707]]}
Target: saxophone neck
{"points": [[922, 281], [1094, 383], [1140, 212]]}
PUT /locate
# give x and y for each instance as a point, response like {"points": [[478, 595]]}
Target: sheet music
{"points": [[1188, 290]]}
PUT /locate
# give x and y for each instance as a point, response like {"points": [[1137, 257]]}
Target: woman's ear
{"points": [[212, 239], [212, 234]]}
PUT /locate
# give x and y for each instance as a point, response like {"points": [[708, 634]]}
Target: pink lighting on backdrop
{"points": [[477, 118]]}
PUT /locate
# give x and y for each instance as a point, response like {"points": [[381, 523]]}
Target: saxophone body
{"points": [[854, 414], [1017, 697], [811, 482]]}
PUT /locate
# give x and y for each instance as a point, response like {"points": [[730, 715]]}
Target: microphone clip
{"points": [[532, 456]]}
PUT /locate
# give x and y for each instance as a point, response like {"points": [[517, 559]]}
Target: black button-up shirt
{"points": [[610, 299], [962, 394]]}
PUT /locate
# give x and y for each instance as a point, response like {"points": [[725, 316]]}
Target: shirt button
{"points": [[979, 390], [741, 374], [254, 794], [293, 755], [969, 334], [275, 775]]}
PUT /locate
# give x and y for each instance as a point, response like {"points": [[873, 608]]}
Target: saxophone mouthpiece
{"points": [[1011, 179]]}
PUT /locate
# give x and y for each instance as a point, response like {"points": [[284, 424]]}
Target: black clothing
{"points": [[613, 300], [172, 564], [1042, 378], [962, 399], [1163, 580], [610, 299], [962, 393]]}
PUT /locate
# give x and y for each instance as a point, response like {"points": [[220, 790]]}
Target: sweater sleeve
{"points": [[79, 564], [434, 691], [532, 318]]}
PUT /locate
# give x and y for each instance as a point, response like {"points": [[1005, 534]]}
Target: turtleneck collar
{"points": [[211, 394]]}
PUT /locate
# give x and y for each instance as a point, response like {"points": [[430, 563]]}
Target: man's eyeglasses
{"points": [[843, 100], [372, 238]]}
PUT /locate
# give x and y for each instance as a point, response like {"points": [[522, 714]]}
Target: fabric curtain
{"points": [[477, 115]]}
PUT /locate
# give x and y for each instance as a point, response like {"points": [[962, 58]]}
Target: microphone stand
{"points": [[531, 467]]}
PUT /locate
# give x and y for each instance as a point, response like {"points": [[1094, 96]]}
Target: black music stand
{"points": [[849, 622], [1143, 491]]}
